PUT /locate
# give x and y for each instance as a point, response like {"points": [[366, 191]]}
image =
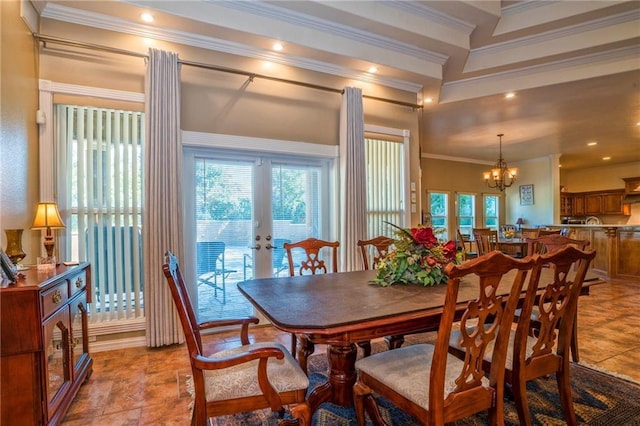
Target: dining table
{"points": [[515, 246], [344, 308]]}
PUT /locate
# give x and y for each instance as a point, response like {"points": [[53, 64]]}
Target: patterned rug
{"points": [[599, 399]]}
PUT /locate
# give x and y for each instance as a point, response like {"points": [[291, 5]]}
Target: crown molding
{"points": [[280, 14], [563, 71], [553, 35], [428, 13], [458, 159], [96, 20]]}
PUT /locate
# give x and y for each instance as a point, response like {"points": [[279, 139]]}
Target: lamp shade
{"points": [[47, 216], [520, 221]]}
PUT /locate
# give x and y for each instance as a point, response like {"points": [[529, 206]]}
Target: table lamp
{"points": [[47, 217], [519, 222]]}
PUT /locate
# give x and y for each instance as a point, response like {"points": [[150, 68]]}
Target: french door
{"points": [[243, 208]]}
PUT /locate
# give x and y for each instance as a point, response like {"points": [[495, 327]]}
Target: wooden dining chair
{"points": [[463, 240], [373, 250], [310, 264], [544, 232], [434, 386], [546, 351], [529, 232], [550, 244], [246, 378], [486, 240]]}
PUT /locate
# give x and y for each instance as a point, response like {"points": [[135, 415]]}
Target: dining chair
{"points": [[543, 232], [373, 250], [310, 264], [210, 266], [549, 244], [434, 386], [486, 240], [529, 232], [545, 351], [463, 240], [249, 377]]}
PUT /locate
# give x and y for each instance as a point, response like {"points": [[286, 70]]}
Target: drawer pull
{"points": [[56, 297], [79, 283]]}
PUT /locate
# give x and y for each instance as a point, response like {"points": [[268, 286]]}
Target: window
{"points": [[385, 183], [491, 211], [466, 213], [100, 167], [438, 206]]}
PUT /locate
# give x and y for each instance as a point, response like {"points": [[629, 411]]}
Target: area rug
{"points": [[599, 399]]}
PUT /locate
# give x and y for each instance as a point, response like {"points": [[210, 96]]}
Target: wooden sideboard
{"points": [[44, 350]]}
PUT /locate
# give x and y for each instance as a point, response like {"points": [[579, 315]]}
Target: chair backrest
{"points": [[207, 255], [486, 240], [557, 302], [312, 263], [183, 305], [485, 321], [552, 243], [529, 232], [543, 232], [375, 248], [463, 240]]}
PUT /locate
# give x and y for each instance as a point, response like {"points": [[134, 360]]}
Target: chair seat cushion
{"points": [[407, 371], [242, 380]]}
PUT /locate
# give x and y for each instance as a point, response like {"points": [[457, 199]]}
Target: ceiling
{"points": [[574, 66]]}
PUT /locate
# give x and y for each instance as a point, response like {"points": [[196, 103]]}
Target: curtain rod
{"points": [[81, 44]]}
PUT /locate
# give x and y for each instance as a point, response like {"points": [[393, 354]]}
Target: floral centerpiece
{"points": [[418, 258]]}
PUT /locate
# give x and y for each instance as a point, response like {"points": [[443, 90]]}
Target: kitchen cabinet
{"points": [[578, 205], [594, 203], [44, 348]]}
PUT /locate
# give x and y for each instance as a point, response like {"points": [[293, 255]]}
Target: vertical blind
{"points": [[100, 185], [384, 177]]}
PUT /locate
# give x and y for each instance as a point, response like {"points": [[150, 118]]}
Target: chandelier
{"points": [[501, 176]]}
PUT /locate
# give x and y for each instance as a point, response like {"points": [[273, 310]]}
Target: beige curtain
{"points": [[353, 201], [162, 217]]}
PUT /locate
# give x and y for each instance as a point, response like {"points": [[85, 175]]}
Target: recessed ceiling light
{"points": [[606, 158], [373, 69], [559, 165], [428, 100], [278, 47], [510, 95], [592, 143], [147, 17]]}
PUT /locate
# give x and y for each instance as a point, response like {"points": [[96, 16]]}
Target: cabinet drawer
{"points": [[54, 298], [77, 283]]}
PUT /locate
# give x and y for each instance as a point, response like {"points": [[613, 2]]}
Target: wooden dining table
{"points": [[344, 308], [515, 246]]}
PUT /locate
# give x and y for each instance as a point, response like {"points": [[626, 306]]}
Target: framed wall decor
{"points": [[526, 195]]}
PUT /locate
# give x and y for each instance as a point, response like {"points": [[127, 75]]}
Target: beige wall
{"points": [[223, 103], [19, 131], [538, 172]]}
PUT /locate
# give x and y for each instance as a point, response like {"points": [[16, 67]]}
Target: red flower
{"points": [[450, 249], [424, 236], [431, 261]]}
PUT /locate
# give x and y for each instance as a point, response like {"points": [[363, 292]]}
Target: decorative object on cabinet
{"points": [[520, 222], [14, 245], [48, 218], [44, 345], [526, 195], [501, 176]]}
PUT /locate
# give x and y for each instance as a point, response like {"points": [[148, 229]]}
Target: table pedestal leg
{"points": [[342, 377], [394, 342]]}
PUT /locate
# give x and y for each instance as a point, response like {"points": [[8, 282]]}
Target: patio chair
{"points": [[430, 384], [210, 266], [245, 378], [544, 351]]}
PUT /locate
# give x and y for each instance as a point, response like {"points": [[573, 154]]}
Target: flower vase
{"points": [[14, 245]]}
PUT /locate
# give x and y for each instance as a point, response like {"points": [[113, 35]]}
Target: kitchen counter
{"points": [[617, 247]]}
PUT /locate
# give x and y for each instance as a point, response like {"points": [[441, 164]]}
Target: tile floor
{"points": [[141, 386]]}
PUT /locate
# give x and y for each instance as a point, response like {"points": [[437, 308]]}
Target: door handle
{"points": [[269, 246], [256, 247]]}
